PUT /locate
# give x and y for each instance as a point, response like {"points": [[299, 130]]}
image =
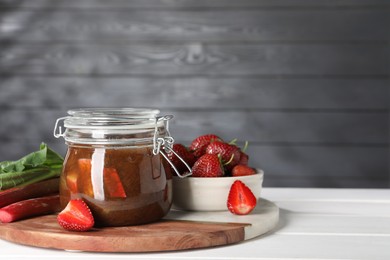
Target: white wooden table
{"points": [[314, 224]]}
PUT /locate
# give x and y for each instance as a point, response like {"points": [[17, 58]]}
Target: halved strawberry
{"points": [[229, 153], [208, 165], [185, 154], [241, 200], [242, 170], [76, 216], [199, 144]]}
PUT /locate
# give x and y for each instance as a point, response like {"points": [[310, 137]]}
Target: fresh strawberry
{"points": [[244, 158], [229, 153], [185, 154], [208, 165], [76, 216], [242, 170], [241, 200], [199, 144]]}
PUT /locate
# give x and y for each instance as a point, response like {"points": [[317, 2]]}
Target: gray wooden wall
{"points": [[306, 82]]}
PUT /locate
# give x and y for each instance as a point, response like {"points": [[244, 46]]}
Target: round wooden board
{"points": [[177, 231]]}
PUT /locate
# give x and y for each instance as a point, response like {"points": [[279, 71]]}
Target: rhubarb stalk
{"points": [[30, 208]]}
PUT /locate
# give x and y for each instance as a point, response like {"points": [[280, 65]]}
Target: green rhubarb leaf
{"points": [[52, 158], [27, 162], [36, 166]]}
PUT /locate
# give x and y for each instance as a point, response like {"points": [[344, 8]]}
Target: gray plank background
{"points": [[305, 82]]}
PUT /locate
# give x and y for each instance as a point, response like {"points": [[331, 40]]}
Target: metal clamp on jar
{"points": [[114, 162]]}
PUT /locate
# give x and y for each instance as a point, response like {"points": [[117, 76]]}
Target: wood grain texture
{"points": [[285, 164], [306, 82], [179, 230], [265, 126], [113, 26], [188, 4], [160, 236], [197, 58], [278, 94]]}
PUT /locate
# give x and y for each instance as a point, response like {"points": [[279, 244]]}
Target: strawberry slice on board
{"points": [[76, 216], [241, 200]]}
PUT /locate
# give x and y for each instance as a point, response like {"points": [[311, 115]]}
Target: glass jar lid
{"points": [[111, 125], [119, 127], [111, 118]]}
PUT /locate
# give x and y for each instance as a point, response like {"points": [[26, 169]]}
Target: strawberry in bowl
{"points": [[221, 179]]}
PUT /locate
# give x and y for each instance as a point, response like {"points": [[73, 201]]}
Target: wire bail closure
{"points": [[58, 132], [161, 145], [167, 143]]}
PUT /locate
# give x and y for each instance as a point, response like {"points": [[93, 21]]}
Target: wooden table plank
{"points": [[302, 235]]}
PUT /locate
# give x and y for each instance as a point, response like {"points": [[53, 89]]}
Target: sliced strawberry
{"points": [[229, 153], [112, 183], [185, 154], [209, 165], [199, 144], [241, 200], [76, 216], [242, 170]]}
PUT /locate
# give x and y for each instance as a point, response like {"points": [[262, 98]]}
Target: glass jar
{"points": [[115, 164]]}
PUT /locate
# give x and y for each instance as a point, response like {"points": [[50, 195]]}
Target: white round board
{"points": [[262, 219]]}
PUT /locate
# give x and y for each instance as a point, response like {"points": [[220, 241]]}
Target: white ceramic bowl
{"points": [[210, 194]]}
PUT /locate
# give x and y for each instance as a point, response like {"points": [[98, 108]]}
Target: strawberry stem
{"points": [[230, 160], [221, 164], [233, 142], [245, 146]]}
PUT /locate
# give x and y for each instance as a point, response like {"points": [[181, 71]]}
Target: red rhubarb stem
{"points": [[29, 191], [30, 208]]}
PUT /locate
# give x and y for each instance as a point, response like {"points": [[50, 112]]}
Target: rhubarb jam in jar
{"points": [[116, 164]]}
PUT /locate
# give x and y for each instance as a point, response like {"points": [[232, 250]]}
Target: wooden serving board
{"points": [[179, 230]]}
